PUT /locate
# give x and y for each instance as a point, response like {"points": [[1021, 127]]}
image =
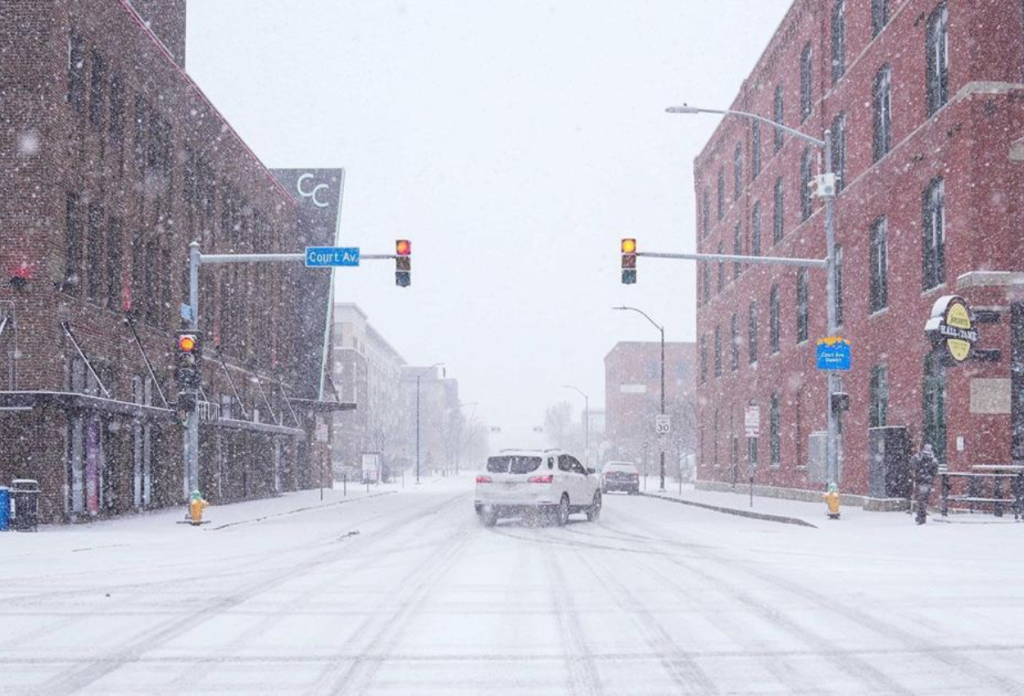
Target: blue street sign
{"points": [[328, 257], [834, 354], [186, 311]]}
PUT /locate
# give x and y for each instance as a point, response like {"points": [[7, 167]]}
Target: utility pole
{"points": [[586, 422], [826, 189]]}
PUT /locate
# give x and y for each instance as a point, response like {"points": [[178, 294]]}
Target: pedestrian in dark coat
{"points": [[925, 467]]}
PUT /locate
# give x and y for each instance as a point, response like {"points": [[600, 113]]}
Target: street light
{"points": [[586, 422], [661, 329], [418, 375], [826, 190]]}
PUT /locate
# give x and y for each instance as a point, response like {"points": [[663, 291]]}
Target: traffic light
{"points": [[188, 360], [185, 405], [628, 261], [403, 263]]}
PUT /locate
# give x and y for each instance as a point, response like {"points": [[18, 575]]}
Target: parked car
{"points": [[549, 483], [620, 476]]}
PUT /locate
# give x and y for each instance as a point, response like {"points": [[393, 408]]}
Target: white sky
{"points": [[514, 143]]}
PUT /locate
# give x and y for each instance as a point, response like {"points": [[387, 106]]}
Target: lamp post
{"points": [[418, 375], [826, 190], [586, 422], [661, 330]]}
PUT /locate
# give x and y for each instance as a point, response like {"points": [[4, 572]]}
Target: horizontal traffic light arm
{"points": [[764, 260], [258, 258]]}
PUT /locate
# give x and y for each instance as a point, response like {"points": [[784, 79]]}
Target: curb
{"points": [[307, 508], [781, 519]]}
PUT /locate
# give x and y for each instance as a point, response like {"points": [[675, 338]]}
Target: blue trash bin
{"points": [[5, 508]]}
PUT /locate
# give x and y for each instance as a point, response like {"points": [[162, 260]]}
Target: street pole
{"points": [[418, 376], [826, 190], [192, 423], [586, 422]]}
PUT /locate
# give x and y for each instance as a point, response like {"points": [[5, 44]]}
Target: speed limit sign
{"points": [[662, 424]]}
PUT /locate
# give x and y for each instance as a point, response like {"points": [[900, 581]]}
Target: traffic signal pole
{"points": [[196, 259]]}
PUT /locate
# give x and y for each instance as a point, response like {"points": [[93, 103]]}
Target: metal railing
{"points": [[996, 485]]}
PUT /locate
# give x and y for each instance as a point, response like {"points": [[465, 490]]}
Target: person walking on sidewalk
{"points": [[925, 467]]}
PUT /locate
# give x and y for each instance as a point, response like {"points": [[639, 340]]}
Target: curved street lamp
{"points": [[826, 190]]}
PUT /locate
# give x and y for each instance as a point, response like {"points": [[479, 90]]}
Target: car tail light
{"points": [[541, 479], [483, 479]]}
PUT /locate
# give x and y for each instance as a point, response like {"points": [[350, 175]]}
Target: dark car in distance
{"points": [[620, 476]]}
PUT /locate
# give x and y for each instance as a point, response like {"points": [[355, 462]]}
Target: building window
{"points": [[806, 194], [97, 90], [703, 359], [879, 399], [718, 352], [839, 150], [117, 113], [806, 83], [802, 305], [94, 250], [115, 244], [938, 59], [779, 117], [705, 210], [737, 249], [752, 450], [774, 323], [775, 425], [707, 283], [934, 252], [76, 71], [721, 194], [879, 264], [737, 172], [73, 245], [755, 230], [735, 343], [721, 269], [839, 285], [755, 149], [778, 215], [879, 16], [838, 40], [883, 112], [752, 334]]}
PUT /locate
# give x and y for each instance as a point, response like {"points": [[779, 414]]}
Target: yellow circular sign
{"points": [[958, 317]]}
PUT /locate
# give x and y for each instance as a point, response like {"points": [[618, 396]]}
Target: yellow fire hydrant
{"points": [[195, 508], [832, 501]]}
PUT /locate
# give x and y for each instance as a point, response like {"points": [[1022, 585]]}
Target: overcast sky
{"points": [[514, 143]]}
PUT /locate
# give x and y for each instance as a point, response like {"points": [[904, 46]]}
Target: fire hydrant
{"points": [[832, 501], [195, 508]]}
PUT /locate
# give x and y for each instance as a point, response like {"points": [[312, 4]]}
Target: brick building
{"points": [[924, 101], [111, 161], [632, 397]]}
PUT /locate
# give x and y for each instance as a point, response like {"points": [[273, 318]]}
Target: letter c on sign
{"points": [[312, 193]]}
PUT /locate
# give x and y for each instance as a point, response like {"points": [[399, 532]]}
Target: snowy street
{"points": [[407, 593]]}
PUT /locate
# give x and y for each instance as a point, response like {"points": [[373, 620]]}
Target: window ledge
{"points": [[879, 312], [929, 291]]}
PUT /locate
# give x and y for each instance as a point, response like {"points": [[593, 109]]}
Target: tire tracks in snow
{"points": [[584, 679], [155, 637]]}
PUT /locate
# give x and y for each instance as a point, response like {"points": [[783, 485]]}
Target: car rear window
{"points": [[513, 464], [626, 468]]}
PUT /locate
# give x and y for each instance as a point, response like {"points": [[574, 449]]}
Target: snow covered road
{"points": [[408, 594]]}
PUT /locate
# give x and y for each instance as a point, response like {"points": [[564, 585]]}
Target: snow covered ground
{"points": [[405, 593]]}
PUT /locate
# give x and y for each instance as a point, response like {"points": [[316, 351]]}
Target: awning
{"points": [[323, 406]]}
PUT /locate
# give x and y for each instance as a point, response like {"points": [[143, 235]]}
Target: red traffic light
{"points": [[187, 343], [403, 247]]}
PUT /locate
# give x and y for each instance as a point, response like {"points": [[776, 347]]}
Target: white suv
{"points": [[551, 482]]}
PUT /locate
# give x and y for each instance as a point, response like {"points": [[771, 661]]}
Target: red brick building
{"points": [[111, 161], [924, 100], [632, 397]]}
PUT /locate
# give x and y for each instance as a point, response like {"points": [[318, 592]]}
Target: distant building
{"points": [[633, 400], [367, 371], [440, 419]]}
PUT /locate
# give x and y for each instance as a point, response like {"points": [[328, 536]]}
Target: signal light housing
{"points": [[628, 261], [403, 263], [188, 360]]}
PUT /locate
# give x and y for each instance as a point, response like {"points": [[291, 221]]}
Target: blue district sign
{"points": [[329, 257], [834, 353]]}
